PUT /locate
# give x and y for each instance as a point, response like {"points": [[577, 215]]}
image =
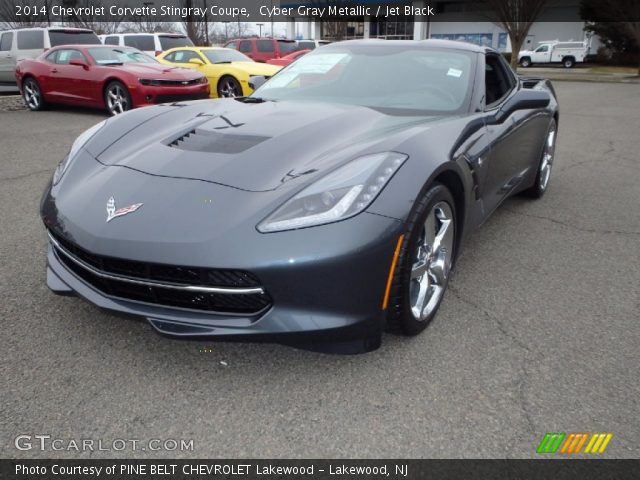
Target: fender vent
{"points": [[198, 140]]}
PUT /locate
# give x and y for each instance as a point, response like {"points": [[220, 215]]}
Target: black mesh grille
{"points": [[188, 276], [181, 98]]}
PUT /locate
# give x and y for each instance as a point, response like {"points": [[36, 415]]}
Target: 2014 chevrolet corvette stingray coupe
{"points": [[325, 207]]}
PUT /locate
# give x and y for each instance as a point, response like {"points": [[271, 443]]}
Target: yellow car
{"points": [[227, 70]]}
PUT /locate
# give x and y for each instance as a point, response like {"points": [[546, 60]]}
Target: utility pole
{"points": [[260, 27]]}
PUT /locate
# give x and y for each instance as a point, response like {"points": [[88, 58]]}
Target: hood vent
{"points": [[198, 140]]}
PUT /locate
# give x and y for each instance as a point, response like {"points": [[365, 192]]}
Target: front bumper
{"points": [[147, 95], [326, 296]]}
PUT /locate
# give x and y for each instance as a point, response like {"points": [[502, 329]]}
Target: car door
{"points": [[72, 83], [514, 141], [7, 58], [542, 54]]}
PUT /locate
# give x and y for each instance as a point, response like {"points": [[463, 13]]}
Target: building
{"points": [[462, 20]]}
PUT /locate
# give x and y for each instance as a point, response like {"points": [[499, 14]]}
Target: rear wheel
{"points": [[117, 98], [425, 261], [32, 95], [568, 62], [525, 62], [229, 87], [546, 163]]}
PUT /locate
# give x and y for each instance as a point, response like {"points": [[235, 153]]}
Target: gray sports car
{"points": [[325, 207]]}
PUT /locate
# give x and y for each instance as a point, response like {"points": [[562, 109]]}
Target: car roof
{"points": [[450, 44]]}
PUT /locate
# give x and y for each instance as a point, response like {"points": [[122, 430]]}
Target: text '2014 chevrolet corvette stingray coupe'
{"points": [[325, 207]]}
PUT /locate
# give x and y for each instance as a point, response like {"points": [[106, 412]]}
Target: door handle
{"points": [[54, 70]]}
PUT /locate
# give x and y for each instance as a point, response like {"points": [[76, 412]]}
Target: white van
{"points": [[31, 42], [150, 43]]}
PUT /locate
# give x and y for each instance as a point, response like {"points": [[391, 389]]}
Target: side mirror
{"points": [[196, 61], [256, 81], [523, 99], [78, 62]]}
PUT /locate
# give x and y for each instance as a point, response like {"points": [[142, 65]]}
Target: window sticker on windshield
{"points": [[454, 72], [320, 63]]}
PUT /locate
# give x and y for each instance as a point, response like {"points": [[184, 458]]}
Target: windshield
{"points": [[225, 55], [119, 55], [394, 76], [167, 42]]}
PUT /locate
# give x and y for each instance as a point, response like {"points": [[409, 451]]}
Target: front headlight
{"points": [[75, 148], [341, 194]]}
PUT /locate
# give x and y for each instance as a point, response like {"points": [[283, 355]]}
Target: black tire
{"points": [[568, 62], [525, 62], [542, 177], [117, 98], [32, 95], [229, 87], [400, 318]]}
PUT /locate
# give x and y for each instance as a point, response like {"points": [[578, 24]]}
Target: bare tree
{"points": [[148, 26], [9, 17], [91, 22], [198, 28], [516, 17], [333, 27]]}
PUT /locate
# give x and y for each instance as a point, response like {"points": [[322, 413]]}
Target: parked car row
{"points": [[123, 71]]}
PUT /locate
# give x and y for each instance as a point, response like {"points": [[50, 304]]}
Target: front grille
{"points": [[172, 83], [181, 97], [210, 290]]}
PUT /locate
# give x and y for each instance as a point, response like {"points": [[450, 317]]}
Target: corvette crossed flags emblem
{"points": [[112, 212]]}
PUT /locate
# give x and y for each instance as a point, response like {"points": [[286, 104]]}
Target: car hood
{"points": [[253, 147], [159, 71]]}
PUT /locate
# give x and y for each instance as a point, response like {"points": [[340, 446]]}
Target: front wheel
{"points": [[117, 98], [229, 87], [425, 261], [525, 62], [32, 95]]}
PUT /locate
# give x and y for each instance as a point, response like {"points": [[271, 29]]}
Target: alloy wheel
{"points": [[432, 261], [32, 95], [229, 89], [117, 100], [547, 159]]}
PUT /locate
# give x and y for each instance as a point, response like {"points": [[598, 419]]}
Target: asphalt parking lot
{"points": [[539, 331]]}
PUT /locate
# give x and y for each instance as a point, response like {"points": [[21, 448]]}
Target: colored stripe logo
{"points": [[573, 443]]}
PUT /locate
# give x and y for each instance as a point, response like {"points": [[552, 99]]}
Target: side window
{"points": [[6, 41], [265, 46], [66, 55], [111, 40], [232, 45], [498, 80], [543, 48], [171, 57], [183, 56], [51, 58], [30, 40], [141, 42], [245, 47]]}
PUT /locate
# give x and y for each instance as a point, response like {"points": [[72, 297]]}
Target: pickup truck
{"points": [[567, 53]]}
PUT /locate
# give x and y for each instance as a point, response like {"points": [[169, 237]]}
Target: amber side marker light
{"points": [[392, 269]]}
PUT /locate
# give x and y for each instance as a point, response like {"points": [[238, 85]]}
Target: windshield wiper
{"points": [[253, 100]]}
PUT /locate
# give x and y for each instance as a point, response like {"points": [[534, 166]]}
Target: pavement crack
{"points": [[25, 175], [570, 225], [523, 373]]}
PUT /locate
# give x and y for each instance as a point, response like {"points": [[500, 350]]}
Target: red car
{"points": [[287, 59], [263, 49], [104, 76]]}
